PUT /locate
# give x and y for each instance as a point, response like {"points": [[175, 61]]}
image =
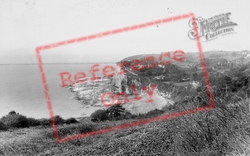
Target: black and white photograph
{"points": [[127, 77]]}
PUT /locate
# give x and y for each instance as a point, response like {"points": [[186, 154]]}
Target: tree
{"points": [[12, 113]]}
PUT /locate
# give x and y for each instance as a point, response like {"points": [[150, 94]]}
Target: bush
{"points": [[58, 120], [115, 111], [33, 122], [47, 122], [44, 122], [3, 127], [15, 121], [99, 115], [71, 120]]}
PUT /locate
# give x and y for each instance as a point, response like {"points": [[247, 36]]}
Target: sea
{"points": [[21, 90]]}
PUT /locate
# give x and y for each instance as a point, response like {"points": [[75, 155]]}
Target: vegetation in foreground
{"points": [[224, 130], [15, 120]]}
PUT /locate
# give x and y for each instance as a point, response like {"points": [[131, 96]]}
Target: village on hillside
{"points": [[167, 78]]}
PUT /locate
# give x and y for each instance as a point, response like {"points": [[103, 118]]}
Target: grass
{"points": [[224, 130]]}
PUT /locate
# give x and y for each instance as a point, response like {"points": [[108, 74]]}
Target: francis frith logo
{"points": [[212, 27]]}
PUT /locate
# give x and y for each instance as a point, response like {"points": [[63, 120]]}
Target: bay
{"points": [[21, 90]]}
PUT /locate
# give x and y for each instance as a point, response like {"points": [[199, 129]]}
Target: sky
{"points": [[25, 25]]}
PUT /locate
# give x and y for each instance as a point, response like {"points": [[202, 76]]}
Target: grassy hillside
{"points": [[224, 130]]}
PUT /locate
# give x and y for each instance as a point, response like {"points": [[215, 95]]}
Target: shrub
{"points": [[115, 111], [47, 122], [44, 122], [99, 115], [15, 121], [33, 122], [58, 120], [71, 120], [3, 127]]}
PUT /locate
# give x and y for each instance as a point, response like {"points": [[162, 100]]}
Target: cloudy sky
{"points": [[26, 24]]}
